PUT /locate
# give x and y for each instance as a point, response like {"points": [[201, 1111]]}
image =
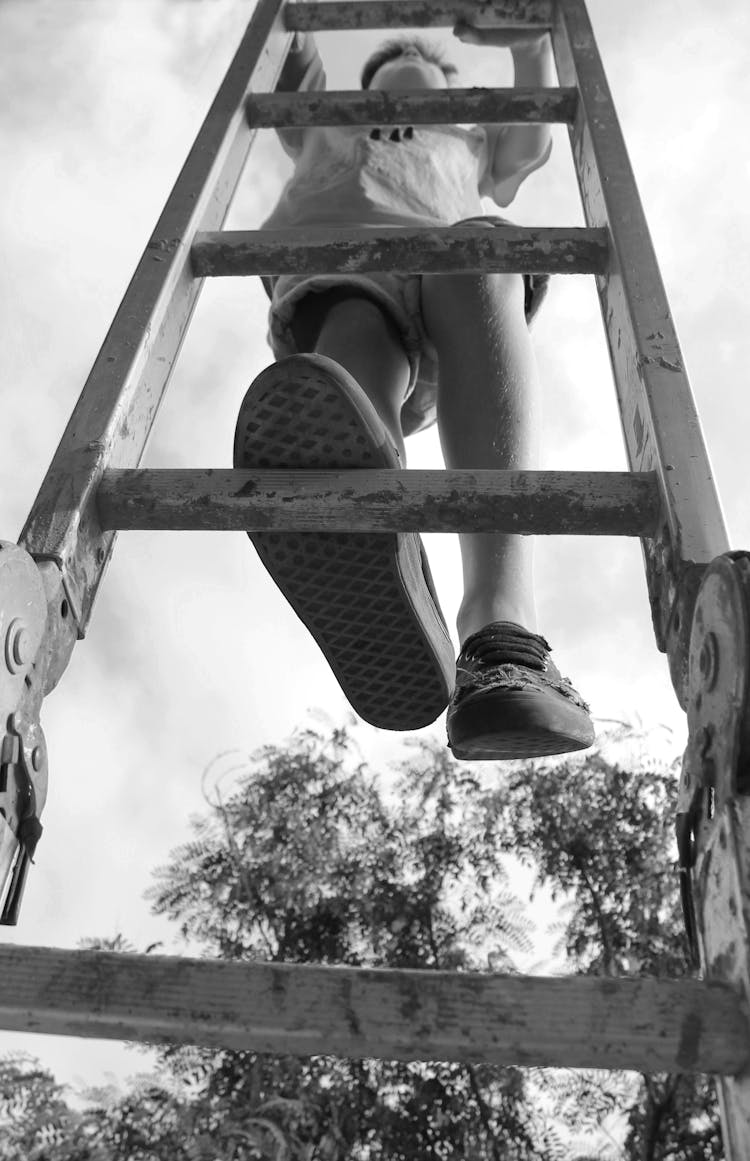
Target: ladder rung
{"points": [[333, 14], [649, 1025], [428, 107], [455, 249], [364, 500]]}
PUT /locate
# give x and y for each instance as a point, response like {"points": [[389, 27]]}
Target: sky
{"points": [[192, 655]]}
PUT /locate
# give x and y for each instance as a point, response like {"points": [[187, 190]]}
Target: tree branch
{"points": [[655, 1116], [600, 916], [484, 1115], [253, 897], [431, 938]]}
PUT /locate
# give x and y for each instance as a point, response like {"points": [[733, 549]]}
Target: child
{"points": [[365, 359]]}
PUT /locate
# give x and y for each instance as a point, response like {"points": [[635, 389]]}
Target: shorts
{"points": [[399, 295]]}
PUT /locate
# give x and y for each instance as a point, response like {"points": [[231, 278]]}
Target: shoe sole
{"points": [[517, 725], [363, 596]]}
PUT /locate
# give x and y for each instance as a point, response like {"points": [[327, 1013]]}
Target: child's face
{"points": [[409, 70]]}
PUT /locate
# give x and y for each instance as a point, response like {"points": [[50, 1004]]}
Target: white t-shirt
{"points": [[344, 176], [357, 176]]}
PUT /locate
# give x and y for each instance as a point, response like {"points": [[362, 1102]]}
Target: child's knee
{"points": [[361, 316], [458, 300], [340, 310]]}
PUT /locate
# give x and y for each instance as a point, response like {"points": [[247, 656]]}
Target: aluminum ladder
{"points": [[699, 592]]}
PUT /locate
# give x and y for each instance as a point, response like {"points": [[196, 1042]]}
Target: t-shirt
{"points": [[363, 176], [413, 175]]}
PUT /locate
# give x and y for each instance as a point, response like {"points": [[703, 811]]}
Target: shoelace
{"points": [[503, 643]]}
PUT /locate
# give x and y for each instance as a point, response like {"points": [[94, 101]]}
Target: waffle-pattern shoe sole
{"points": [[363, 596]]}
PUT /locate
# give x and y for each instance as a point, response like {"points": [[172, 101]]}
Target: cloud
{"points": [[191, 650]]}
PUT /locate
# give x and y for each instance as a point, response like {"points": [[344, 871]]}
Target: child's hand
{"points": [[516, 39], [300, 41]]}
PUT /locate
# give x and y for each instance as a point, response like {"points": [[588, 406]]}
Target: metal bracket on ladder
{"points": [[23, 753], [37, 635], [713, 824]]}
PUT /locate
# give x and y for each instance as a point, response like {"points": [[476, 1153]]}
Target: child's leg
{"points": [[488, 417], [366, 342], [366, 599]]}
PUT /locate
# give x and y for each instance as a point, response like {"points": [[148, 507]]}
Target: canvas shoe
{"points": [[510, 700], [366, 597]]}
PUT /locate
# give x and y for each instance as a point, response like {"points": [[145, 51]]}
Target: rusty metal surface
{"points": [[454, 249], [333, 14], [714, 819], [23, 751], [720, 676], [556, 503], [68, 549], [660, 422], [394, 1014], [445, 107], [112, 421]]}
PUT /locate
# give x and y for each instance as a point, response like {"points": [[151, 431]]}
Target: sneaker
{"points": [[510, 700], [366, 597]]}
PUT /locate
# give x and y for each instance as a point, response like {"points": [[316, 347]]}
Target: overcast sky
{"points": [[191, 650]]}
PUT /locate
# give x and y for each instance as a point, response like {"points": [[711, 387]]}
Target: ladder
{"points": [[699, 591]]}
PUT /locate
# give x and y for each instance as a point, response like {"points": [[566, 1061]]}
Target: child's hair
{"points": [[393, 48]]}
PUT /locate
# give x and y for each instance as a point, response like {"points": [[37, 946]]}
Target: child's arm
{"points": [[301, 55], [303, 71], [515, 151]]}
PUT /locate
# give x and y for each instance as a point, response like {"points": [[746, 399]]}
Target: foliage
{"points": [[309, 860], [36, 1122], [598, 833]]}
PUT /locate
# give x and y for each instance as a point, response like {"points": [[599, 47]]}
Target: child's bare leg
{"points": [[359, 336], [488, 417]]}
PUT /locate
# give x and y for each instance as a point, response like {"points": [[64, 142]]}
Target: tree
{"points": [[598, 832], [36, 1121], [308, 861]]}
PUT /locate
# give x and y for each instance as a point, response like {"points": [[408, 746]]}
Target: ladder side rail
{"points": [[659, 418], [112, 420], [713, 822], [500, 106], [722, 876], [333, 15], [389, 1013]]}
